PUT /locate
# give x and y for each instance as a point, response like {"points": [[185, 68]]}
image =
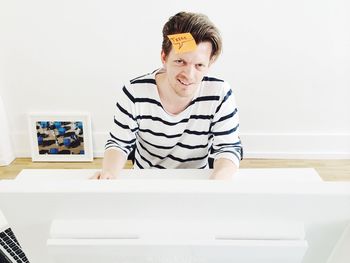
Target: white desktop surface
{"points": [[255, 175], [266, 211]]}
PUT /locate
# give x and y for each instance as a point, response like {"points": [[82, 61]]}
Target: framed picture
{"points": [[60, 137]]}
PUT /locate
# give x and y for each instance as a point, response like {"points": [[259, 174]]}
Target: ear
{"points": [[163, 57], [212, 60]]}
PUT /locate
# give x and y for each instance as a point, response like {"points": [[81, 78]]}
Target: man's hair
{"points": [[200, 27]]}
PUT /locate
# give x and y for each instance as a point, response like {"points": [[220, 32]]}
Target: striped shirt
{"points": [[208, 127]]}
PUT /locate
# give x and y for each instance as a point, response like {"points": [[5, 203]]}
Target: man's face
{"points": [[185, 71]]}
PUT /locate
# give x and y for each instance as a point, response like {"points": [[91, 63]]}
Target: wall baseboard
{"points": [[256, 145], [6, 160], [297, 145]]}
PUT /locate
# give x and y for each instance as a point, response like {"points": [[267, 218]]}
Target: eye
{"points": [[200, 66], [179, 61]]}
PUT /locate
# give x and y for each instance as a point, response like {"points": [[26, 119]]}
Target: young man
{"points": [[176, 116]]}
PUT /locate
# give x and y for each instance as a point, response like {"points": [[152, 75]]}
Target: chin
{"points": [[186, 93]]}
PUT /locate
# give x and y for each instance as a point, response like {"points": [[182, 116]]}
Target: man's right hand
{"points": [[113, 163], [103, 176]]}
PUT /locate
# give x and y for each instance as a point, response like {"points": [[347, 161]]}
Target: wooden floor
{"points": [[329, 170]]}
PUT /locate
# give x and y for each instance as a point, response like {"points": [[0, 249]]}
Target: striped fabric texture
{"points": [[208, 127]]}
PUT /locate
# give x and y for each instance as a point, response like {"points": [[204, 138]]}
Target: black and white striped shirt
{"points": [[208, 127]]}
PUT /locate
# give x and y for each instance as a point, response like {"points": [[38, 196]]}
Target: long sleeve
{"points": [[122, 134], [225, 129]]}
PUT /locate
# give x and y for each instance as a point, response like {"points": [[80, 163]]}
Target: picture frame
{"points": [[60, 137]]}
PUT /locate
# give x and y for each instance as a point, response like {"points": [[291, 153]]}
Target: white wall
{"points": [[288, 63], [6, 149]]}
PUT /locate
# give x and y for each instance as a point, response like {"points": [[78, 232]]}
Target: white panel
{"points": [[322, 207], [243, 251], [171, 229]]}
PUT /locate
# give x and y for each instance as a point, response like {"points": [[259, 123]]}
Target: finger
{"points": [[107, 177], [97, 176], [103, 176]]}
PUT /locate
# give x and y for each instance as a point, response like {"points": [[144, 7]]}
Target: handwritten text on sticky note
{"points": [[183, 42]]}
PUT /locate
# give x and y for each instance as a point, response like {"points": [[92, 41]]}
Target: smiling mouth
{"points": [[183, 83]]}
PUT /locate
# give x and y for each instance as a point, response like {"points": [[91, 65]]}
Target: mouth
{"points": [[184, 83]]}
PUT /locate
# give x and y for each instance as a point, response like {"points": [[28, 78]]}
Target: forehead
{"points": [[201, 53]]}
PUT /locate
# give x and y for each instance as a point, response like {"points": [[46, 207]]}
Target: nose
{"points": [[189, 71]]}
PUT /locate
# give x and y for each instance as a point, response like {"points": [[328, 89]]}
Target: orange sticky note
{"points": [[183, 42]]}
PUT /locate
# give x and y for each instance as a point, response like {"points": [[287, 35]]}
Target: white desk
{"points": [[263, 215], [273, 175]]}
